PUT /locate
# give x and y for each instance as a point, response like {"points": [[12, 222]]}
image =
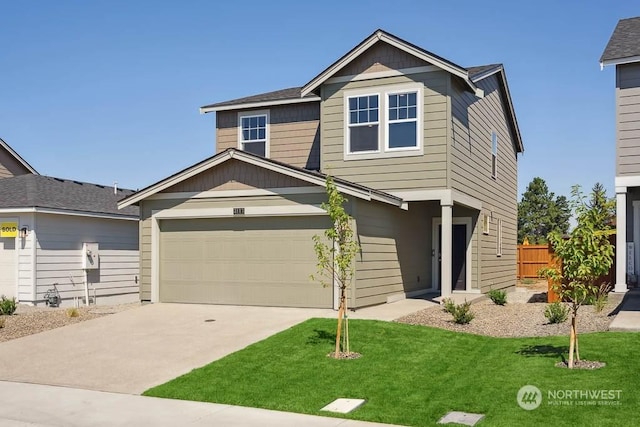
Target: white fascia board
{"points": [[248, 105], [249, 211], [65, 212], [486, 74], [422, 195], [627, 181], [619, 61]]}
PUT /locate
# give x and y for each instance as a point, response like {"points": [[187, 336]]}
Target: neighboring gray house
{"points": [[425, 150], [623, 51], [70, 233]]}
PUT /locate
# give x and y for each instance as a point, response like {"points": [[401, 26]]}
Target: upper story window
{"points": [[363, 124], [384, 121], [253, 132], [494, 155]]}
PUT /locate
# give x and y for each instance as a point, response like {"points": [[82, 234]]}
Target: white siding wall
{"points": [[26, 259], [59, 257]]}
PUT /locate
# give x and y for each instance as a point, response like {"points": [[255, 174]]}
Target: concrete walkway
{"points": [[39, 405], [628, 318]]}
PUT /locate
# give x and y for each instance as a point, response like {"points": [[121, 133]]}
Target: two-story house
{"points": [[425, 150], [623, 51]]}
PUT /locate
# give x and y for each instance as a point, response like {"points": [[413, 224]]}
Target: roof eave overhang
{"points": [[320, 180], [382, 36], [16, 156], [619, 61], [262, 104]]}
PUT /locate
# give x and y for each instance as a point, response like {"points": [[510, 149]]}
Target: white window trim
{"points": [[348, 126], [499, 238], [494, 173], [485, 223], [255, 113], [383, 93]]}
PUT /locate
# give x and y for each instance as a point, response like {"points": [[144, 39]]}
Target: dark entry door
{"points": [[459, 257]]}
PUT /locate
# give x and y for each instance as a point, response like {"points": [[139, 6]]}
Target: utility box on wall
{"points": [[90, 256]]}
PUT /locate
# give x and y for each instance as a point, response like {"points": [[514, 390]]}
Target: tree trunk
{"points": [[572, 339]]}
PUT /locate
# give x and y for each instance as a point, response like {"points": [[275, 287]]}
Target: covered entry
{"points": [[242, 261]]}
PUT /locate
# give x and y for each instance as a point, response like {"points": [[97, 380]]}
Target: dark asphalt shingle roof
{"points": [[277, 95], [625, 40], [28, 191], [294, 92]]}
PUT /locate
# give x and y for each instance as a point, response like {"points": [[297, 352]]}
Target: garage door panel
{"points": [[244, 261]]}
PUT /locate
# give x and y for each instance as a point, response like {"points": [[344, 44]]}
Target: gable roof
{"points": [[45, 192], [624, 44], [381, 35], [482, 72], [278, 97], [16, 156], [312, 177]]}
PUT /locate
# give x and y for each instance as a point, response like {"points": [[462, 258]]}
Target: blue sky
{"points": [[105, 91]]}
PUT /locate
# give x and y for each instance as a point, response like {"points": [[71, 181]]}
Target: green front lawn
{"points": [[413, 375]]}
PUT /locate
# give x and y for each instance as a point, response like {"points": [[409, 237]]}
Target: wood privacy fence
{"points": [[532, 258]]}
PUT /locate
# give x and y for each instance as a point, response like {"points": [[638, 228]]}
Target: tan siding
{"points": [[473, 121], [628, 119], [235, 175], [147, 206], [9, 166], [400, 173], [395, 253], [294, 134], [380, 57]]}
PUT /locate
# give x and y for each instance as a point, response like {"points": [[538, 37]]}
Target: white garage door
{"points": [[242, 261]]}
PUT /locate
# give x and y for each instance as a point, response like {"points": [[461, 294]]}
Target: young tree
{"points": [[584, 257], [336, 254], [541, 212]]}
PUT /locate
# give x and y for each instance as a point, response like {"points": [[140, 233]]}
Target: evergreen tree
{"points": [[540, 212]]}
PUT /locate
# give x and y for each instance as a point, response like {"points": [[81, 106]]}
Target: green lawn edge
{"points": [[413, 375]]}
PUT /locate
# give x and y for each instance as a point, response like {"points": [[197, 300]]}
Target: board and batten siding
{"points": [[59, 257], [473, 121], [148, 206], [294, 133], [395, 256], [628, 119], [426, 171]]}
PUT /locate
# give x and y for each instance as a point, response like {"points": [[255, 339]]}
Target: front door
{"points": [[459, 258]]}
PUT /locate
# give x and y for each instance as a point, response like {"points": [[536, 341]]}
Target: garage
{"points": [[241, 261]]}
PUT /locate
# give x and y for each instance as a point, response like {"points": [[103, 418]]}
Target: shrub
{"points": [[448, 305], [7, 306], [462, 313], [556, 312], [72, 312], [498, 297]]}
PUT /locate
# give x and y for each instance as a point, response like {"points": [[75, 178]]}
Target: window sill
{"points": [[383, 154]]}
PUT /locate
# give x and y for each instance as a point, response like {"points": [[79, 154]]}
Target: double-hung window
{"points": [[494, 155], [383, 121], [402, 120], [253, 132], [364, 115]]}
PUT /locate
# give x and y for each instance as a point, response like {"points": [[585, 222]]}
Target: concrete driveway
{"points": [[134, 350]]}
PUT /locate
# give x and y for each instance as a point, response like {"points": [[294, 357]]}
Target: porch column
{"points": [[621, 240], [446, 249]]}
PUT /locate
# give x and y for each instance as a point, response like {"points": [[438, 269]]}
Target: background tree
{"points": [[540, 212], [584, 257], [336, 253]]}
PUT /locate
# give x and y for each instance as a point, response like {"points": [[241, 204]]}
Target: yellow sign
{"points": [[8, 229]]}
